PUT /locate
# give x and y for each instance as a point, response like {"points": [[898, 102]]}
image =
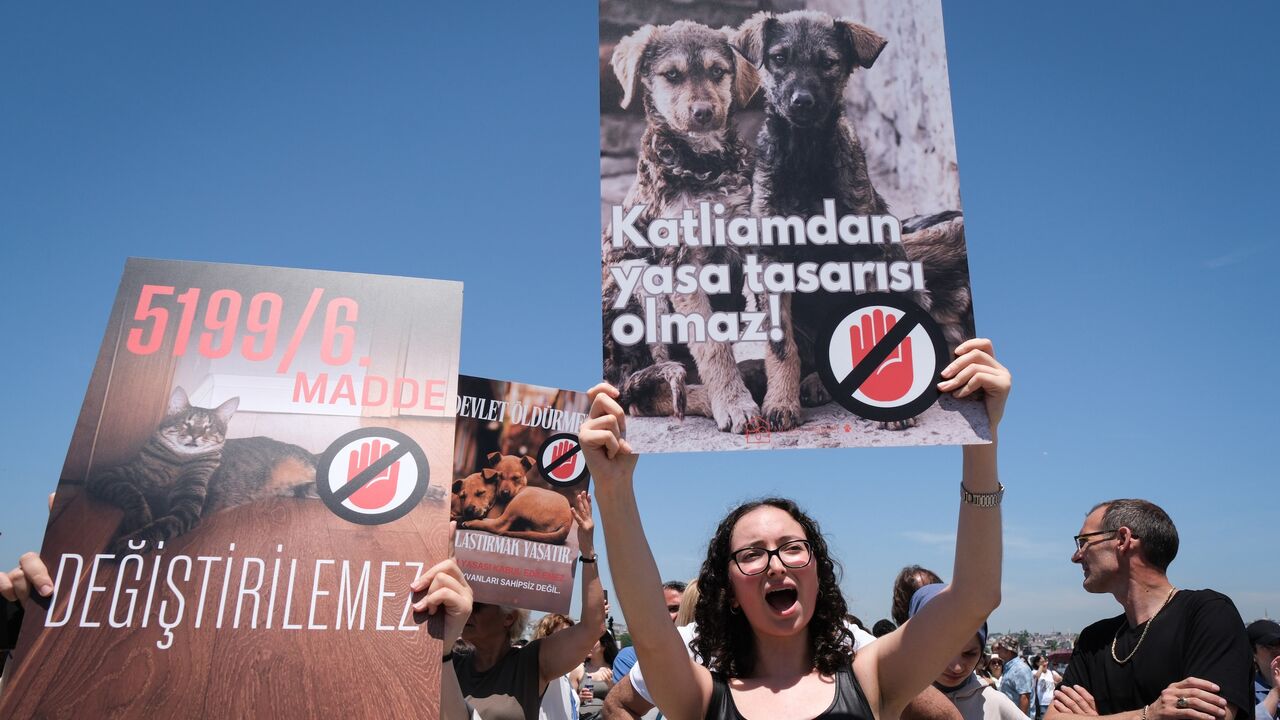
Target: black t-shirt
{"points": [[1199, 634], [506, 691]]}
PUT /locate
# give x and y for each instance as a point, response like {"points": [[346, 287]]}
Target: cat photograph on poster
{"points": [[776, 113], [188, 468]]}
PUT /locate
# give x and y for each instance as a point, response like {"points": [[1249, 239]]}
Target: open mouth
{"points": [[782, 600]]}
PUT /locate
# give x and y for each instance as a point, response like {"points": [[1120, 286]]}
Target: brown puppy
{"points": [[533, 514], [512, 472], [475, 496], [691, 83]]}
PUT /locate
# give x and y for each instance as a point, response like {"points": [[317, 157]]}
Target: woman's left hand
{"points": [[581, 508], [975, 368], [446, 587]]}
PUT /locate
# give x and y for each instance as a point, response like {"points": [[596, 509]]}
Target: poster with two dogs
{"points": [[517, 475], [783, 245]]}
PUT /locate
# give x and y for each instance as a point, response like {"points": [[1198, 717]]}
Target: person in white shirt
{"points": [[1046, 681]]}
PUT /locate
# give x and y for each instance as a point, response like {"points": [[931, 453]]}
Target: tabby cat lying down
{"points": [[188, 469]]}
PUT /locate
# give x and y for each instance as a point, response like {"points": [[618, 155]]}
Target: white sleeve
{"points": [[637, 682], [687, 633], [861, 638]]}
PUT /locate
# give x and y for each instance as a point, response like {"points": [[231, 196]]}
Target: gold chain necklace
{"points": [[1141, 637]]}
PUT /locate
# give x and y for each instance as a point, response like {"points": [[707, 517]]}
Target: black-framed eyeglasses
{"points": [[755, 560], [1083, 541]]}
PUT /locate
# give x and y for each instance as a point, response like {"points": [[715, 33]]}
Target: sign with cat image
{"points": [[764, 168], [517, 538], [198, 571]]}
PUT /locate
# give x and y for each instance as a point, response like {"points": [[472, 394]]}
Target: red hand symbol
{"points": [[377, 492], [565, 470], [892, 380]]}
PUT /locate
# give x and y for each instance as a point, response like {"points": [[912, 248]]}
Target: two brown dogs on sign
{"points": [[503, 499]]}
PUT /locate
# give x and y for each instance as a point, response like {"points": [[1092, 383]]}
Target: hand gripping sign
{"points": [[560, 460], [372, 476], [882, 360]]}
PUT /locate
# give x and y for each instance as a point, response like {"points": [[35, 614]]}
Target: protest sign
{"points": [[764, 172], [516, 469], [259, 470]]}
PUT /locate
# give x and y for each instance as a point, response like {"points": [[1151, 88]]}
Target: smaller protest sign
{"points": [[517, 468]]}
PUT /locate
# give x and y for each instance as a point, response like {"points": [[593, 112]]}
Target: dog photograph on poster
{"points": [[517, 471], [779, 188]]}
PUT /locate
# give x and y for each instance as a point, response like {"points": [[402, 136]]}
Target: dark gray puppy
{"points": [[808, 152]]}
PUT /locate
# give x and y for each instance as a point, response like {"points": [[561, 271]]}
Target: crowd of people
{"points": [[764, 630]]}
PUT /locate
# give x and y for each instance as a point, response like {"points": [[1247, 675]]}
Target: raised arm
{"points": [[563, 651], [681, 688], [907, 660]]}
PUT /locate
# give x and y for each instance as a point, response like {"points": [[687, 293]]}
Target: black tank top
{"points": [[848, 704]]}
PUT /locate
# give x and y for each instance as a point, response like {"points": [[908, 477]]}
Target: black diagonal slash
{"points": [[365, 476], [899, 332], [562, 459]]}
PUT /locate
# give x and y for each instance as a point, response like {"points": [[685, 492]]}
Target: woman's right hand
{"points": [[609, 457], [975, 368]]}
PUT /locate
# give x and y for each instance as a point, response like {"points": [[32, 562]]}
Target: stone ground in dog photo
{"points": [[946, 422]]}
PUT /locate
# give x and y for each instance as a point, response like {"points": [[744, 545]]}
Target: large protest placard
{"points": [[783, 244], [260, 468], [516, 469]]}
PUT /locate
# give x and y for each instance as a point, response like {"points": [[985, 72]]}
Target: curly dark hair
{"points": [[725, 640]]}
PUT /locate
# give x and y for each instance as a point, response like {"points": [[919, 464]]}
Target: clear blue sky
{"points": [[1117, 161]]}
